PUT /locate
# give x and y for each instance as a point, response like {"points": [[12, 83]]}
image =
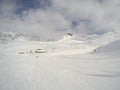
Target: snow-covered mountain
{"points": [[92, 42], [6, 37], [101, 40], [71, 63], [68, 45]]}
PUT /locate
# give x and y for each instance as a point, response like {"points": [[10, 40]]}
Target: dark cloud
{"points": [[24, 5]]}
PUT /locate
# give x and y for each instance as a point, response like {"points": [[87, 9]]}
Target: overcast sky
{"points": [[53, 18]]}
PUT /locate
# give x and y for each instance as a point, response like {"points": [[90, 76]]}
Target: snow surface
{"points": [[69, 64]]}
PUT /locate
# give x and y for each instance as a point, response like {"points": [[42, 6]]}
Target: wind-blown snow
{"points": [[68, 64]]}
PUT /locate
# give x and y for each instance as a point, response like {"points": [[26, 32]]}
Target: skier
{"points": [[37, 57]]}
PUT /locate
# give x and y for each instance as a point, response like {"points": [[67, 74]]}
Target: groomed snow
{"points": [[68, 65]]}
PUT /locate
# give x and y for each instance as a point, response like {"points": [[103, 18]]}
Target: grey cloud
{"points": [[7, 7], [62, 16]]}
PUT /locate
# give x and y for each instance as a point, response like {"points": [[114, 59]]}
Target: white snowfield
{"points": [[68, 64]]}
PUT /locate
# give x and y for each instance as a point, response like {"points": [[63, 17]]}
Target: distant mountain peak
{"points": [[5, 37], [68, 36]]}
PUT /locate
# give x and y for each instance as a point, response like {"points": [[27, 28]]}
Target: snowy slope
{"points": [[68, 64], [111, 48], [69, 44], [101, 40]]}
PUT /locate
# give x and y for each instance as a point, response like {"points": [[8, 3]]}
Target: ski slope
{"points": [[69, 64]]}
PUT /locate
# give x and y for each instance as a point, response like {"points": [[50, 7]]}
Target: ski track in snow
{"points": [[68, 65], [57, 72]]}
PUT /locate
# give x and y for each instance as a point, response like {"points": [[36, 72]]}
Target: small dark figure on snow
{"points": [[37, 57]]}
